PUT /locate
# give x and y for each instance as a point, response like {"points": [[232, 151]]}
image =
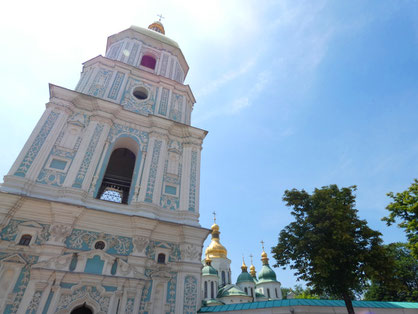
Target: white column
{"points": [[185, 177]]}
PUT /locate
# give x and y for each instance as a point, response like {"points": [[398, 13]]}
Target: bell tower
{"points": [[107, 187]]}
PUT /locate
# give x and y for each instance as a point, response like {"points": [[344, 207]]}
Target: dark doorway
{"points": [[118, 176], [83, 309]]}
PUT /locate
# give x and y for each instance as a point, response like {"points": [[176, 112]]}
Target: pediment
{"points": [[15, 258], [31, 223]]}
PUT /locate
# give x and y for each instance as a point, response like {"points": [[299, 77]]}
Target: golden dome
{"points": [[158, 27], [243, 266], [264, 254], [215, 248]]}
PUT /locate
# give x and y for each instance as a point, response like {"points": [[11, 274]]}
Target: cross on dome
{"points": [[214, 216], [160, 17]]}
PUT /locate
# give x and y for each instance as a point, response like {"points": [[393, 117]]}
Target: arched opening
{"points": [[25, 240], [148, 61], [117, 179], [268, 293], [246, 290], [223, 278], [206, 289], [82, 309], [161, 258], [212, 290]]}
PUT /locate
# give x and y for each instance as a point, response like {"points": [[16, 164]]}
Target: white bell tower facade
{"points": [[101, 208]]}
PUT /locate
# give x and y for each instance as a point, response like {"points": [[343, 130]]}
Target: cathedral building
{"points": [[100, 211]]}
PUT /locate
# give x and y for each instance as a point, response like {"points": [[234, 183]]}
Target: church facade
{"points": [[99, 213]]}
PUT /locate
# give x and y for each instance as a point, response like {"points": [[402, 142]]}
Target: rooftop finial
{"points": [[160, 16], [214, 216], [262, 244], [251, 258]]}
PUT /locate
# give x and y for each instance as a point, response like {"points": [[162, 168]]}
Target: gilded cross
{"points": [[251, 257], [214, 216], [262, 244]]}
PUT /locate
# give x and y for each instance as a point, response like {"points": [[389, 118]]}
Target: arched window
{"points": [[223, 278], [268, 293], [117, 179], [277, 295], [252, 292], [25, 239], [229, 276], [161, 258], [148, 61], [246, 290], [206, 289], [212, 290]]}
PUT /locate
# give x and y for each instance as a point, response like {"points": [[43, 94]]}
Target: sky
{"points": [[294, 94]]}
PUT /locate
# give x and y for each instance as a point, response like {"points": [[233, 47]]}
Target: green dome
{"points": [[266, 274], [244, 277], [209, 271], [230, 290]]}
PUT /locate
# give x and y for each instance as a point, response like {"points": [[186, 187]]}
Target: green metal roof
{"points": [[245, 277], [230, 290], [209, 271], [266, 274], [306, 302]]}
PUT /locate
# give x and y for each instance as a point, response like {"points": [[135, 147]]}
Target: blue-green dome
{"points": [[266, 274], [244, 277], [208, 270]]}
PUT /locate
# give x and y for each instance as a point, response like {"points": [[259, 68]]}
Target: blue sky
{"points": [[294, 94]]}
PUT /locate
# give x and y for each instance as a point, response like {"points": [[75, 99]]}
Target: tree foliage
{"points": [[405, 207], [328, 245], [402, 283]]}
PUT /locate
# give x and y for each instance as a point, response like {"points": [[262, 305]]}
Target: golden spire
{"points": [[264, 258], [243, 267], [252, 267], [215, 248]]}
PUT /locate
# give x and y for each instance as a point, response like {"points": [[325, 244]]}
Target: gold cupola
{"points": [[215, 248], [158, 26], [252, 269]]}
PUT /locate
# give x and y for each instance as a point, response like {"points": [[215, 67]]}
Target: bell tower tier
{"points": [[100, 210], [129, 108]]}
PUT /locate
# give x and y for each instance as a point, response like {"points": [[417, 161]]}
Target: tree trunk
{"points": [[348, 304]]}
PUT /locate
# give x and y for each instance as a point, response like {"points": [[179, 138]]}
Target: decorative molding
{"points": [[116, 85], [59, 232], [174, 250], [66, 300], [37, 144], [83, 240], [193, 182], [140, 243], [190, 295], [153, 171], [88, 156]]}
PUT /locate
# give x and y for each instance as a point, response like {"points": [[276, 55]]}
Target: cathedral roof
{"points": [[208, 269]]}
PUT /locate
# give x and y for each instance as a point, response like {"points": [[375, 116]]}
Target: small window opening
{"points": [[161, 258], [277, 295], [116, 182], [223, 278], [246, 290], [148, 61], [268, 293], [212, 290], [252, 292], [99, 245], [206, 289], [140, 93], [25, 240]]}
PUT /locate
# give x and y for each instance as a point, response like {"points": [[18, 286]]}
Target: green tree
{"points": [[306, 293], [405, 207], [402, 282], [328, 245]]}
